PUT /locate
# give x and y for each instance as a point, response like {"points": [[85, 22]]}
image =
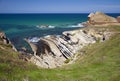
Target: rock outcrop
{"points": [[100, 18], [53, 51], [5, 40]]}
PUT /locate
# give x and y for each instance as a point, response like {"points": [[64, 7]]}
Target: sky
{"points": [[59, 6]]}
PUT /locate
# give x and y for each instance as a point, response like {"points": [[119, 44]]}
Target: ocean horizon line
{"points": [[62, 13]]}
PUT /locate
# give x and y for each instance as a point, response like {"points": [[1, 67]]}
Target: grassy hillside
{"points": [[100, 62]]}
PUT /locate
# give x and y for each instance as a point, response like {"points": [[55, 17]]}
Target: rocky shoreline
{"points": [[53, 50]]}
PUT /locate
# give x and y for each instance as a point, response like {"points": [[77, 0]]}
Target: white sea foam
{"points": [[78, 25], [50, 26], [45, 26], [34, 39], [46, 36]]}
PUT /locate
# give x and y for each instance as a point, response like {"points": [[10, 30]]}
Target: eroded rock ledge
{"points": [[52, 51]]}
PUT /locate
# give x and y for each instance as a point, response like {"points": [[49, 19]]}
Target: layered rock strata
{"points": [[52, 51]]}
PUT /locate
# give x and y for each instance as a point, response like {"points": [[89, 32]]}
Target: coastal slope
{"points": [[97, 62], [94, 57]]}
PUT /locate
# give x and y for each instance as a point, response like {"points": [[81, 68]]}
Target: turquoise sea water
{"points": [[20, 26]]}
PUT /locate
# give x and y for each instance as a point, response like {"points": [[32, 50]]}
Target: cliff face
{"points": [[53, 51]]}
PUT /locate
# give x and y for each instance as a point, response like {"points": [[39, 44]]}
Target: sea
{"points": [[20, 26]]}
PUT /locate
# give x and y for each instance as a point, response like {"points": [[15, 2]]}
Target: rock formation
{"points": [[53, 51], [100, 18], [5, 40]]}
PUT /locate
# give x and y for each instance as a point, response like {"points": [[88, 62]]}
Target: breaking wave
{"points": [[77, 25]]}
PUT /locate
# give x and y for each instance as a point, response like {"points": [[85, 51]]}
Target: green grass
{"points": [[100, 62]]}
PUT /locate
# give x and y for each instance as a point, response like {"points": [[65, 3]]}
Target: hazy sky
{"points": [[59, 6]]}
